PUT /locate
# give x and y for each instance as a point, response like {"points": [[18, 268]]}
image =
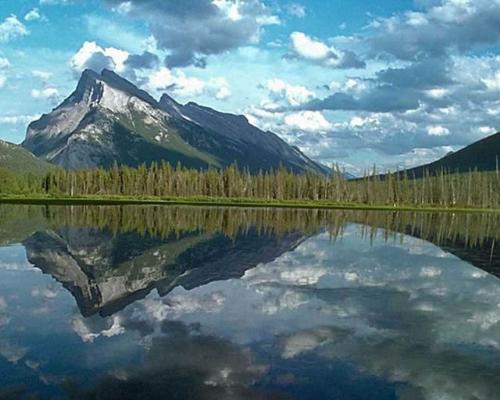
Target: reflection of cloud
{"points": [[275, 302], [12, 352], [87, 334], [184, 364], [46, 293], [4, 318], [306, 341], [175, 306], [430, 272]]}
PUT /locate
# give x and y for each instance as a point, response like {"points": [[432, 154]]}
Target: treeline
{"points": [[442, 189]]}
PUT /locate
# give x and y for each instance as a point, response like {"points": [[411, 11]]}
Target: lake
{"points": [[130, 302]]}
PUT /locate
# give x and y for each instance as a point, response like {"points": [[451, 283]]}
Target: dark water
{"points": [[195, 303]]}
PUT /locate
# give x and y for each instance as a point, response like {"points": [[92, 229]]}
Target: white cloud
{"points": [[4, 63], [437, 93], [47, 93], [182, 85], [297, 10], [3, 80], [12, 28], [123, 8], [486, 130], [18, 119], [437, 130], [361, 122], [219, 88], [97, 58], [315, 51], [309, 48], [310, 121], [32, 15], [230, 8], [493, 83], [44, 75], [294, 95]]}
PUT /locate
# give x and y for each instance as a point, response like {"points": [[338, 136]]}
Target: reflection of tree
{"points": [[163, 221], [183, 364]]}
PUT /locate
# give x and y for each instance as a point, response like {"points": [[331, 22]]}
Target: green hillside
{"points": [[19, 160], [482, 155]]}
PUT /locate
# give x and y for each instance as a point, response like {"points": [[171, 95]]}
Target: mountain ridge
{"points": [[483, 155], [108, 119]]}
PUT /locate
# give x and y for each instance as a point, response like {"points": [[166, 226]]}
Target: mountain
{"points": [[107, 119], [482, 155], [16, 159]]}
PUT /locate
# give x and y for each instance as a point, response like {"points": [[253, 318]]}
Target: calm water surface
{"points": [[198, 303]]}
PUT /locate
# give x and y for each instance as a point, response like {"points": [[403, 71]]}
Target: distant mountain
{"points": [[108, 119], [16, 159], [481, 155]]}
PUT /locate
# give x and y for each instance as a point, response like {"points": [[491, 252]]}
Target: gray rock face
{"points": [[108, 119]]}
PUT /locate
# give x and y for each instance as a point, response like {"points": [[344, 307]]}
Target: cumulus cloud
{"points": [[436, 95], [312, 50], [44, 75], [444, 26], [11, 28], [192, 30], [438, 130], [97, 58], [178, 83], [4, 63], [32, 15], [281, 92], [47, 93], [309, 121], [146, 60], [18, 119]]}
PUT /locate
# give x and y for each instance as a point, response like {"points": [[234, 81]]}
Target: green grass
{"points": [[226, 202]]}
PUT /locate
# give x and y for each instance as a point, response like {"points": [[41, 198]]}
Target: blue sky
{"points": [[396, 83]]}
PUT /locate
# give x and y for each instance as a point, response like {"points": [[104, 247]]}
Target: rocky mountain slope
{"points": [[108, 119], [18, 160]]}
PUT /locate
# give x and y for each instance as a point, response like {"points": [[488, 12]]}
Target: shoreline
{"points": [[228, 202]]}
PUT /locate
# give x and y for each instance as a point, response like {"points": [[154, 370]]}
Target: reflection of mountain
{"points": [[106, 272]]}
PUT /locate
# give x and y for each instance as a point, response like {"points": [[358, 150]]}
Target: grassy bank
{"points": [[226, 202]]}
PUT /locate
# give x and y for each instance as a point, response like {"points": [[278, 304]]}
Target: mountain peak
{"points": [[91, 88], [170, 106], [108, 119]]}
